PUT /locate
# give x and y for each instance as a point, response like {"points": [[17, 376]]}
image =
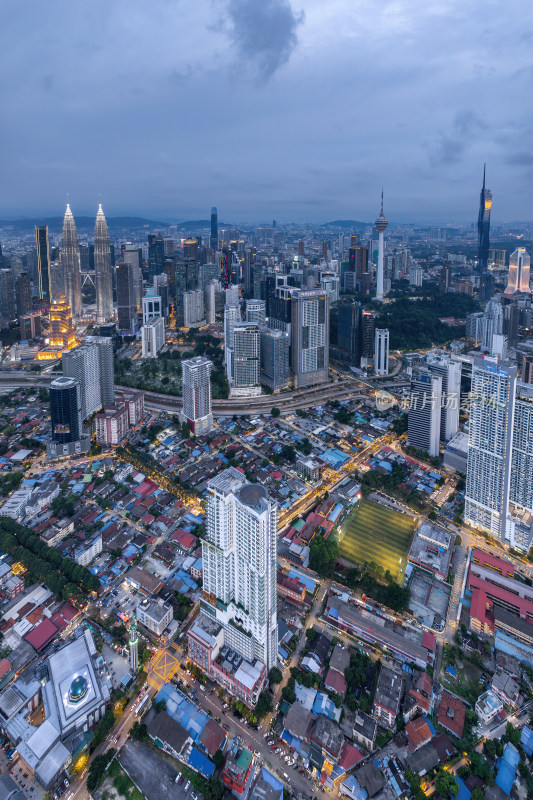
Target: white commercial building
{"points": [[196, 391], [154, 615], [153, 337], [152, 307], [88, 551], [15, 506], [239, 565], [245, 361], [381, 351]]}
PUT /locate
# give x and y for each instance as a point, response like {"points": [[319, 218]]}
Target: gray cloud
{"points": [[263, 32], [450, 146]]}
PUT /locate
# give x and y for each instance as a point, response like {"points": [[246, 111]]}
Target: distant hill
{"points": [[115, 224], [347, 224]]}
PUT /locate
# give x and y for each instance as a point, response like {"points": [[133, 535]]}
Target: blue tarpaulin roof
{"points": [[200, 763], [526, 740], [507, 768]]}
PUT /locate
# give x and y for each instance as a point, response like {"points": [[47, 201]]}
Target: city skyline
{"points": [[419, 120]]}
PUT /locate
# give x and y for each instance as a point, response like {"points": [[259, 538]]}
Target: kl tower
{"points": [[381, 223]]}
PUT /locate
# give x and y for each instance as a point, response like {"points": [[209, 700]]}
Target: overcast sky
{"points": [[287, 109]]}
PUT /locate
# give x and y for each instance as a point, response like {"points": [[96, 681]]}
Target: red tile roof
{"points": [[452, 713], [428, 641], [418, 732]]}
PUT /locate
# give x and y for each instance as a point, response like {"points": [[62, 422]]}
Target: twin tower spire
{"points": [[70, 256]]}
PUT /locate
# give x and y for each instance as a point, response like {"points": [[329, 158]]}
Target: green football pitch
{"points": [[373, 532]]}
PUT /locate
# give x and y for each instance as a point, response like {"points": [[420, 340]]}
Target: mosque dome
{"points": [[78, 689]]}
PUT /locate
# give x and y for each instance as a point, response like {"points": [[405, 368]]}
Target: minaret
{"points": [[134, 647], [102, 270], [70, 256], [381, 223]]}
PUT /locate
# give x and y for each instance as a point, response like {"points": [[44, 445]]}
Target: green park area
{"points": [[375, 533]]}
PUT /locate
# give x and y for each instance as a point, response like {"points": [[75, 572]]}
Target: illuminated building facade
{"points": [[70, 256], [102, 270], [519, 266], [62, 333]]}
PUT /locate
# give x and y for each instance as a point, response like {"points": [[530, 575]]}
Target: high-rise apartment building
{"points": [[70, 258], [519, 277], [488, 475], [381, 351], [107, 374], [193, 309], [126, 311], [256, 311], [309, 336], [245, 361], [153, 337], [43, 263], [450, 371], [83, 364], [423, 420], [275, 371], [196, 391], [239, 565], [521, 484], [103, 270]]}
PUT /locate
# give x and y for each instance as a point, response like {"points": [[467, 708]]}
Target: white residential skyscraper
{"points": [[488, 475], [521, 489], [381, 351], [102, 270], [239, 565], [256, 311], [92, 365], [450, 372], [70, 257], [196, 391]]}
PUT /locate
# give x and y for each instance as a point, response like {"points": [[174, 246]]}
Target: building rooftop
{"points": [[156, 609], [297, 720], [327, 734], [452, 714], [389, 690]]}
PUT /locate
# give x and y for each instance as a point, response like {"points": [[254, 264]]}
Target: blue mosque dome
{"points": [[78, 689]]}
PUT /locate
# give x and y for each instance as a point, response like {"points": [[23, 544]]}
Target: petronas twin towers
{"points": [[70, 254]]}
